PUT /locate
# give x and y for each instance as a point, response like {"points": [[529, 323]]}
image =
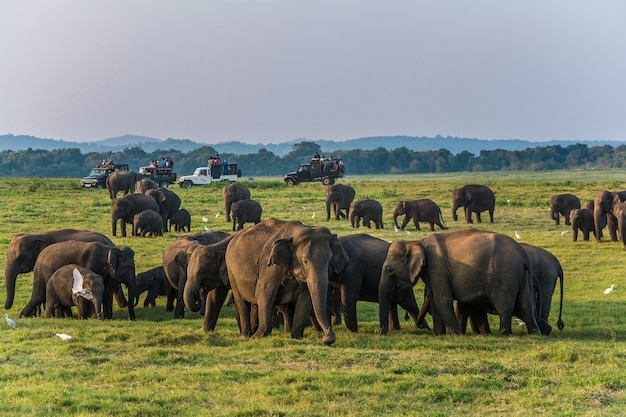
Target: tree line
{"points": [[72, 163]]}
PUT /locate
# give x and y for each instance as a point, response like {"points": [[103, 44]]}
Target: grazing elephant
{"points": [[603, 206], [206, 272], [563, 204], [155, 282], [368, 210], [168, 201], [25, 248], [283, 263], [145, 185], [62, 292], [495, 271], [175, 261], [619, 211], [115, 264], [122, 181], [339, 197], [582, 219], [359, 279], [474, 199], [125, 208], [245, 211], [180, 221], [232, 193], [422, 210], [148, 222]]}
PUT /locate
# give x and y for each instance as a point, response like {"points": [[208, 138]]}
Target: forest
{"points": [[73, 163]]}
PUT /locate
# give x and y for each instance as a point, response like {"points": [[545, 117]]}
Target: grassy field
{"points": [[160, 366]]}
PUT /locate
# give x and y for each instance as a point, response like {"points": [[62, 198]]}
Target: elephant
{"points": [[60, 295], [25, 248], [206, 271], [359, 279], [148, 222], [368, 210], [168, 201], [145, 185], [181, 220], [582, 219], [122, 181], [469, 265], [474, 199], [155, 282], [603, 206], [175, 261], [619, 212], [116, 264], [125, 208], [266, 264], [339, 197], [245, 211], [546, 271], [232, 193], [562, 204], [422, 210]]}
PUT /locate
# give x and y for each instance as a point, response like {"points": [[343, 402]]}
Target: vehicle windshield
{"points": [[97, 172]]}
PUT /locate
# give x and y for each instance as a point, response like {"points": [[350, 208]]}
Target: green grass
{"points": [[160, 366]]}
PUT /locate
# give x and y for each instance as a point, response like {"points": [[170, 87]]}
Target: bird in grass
{"points": [[64, 336], [303, 207], [217, 214], [519, 322], [407, 232], [564, 232], [313, 216], [395, 228], [517, 235], [204, 219], [610, 289], [206, 228], [10, 322]]}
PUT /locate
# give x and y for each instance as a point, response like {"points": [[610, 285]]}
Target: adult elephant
{"points": [[495, 270], [115, 264], [338, 197], [245, 211], [231, 193], [125, 208], [207, 278], [283, 263], [474, 199], [562, 205], [603, 206], [25, 248], [176, 259], [122, 181], [168, 201], [369, 210], [422, 210], [359, 279]]}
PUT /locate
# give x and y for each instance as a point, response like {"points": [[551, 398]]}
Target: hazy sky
{"points": [[272, 71]]}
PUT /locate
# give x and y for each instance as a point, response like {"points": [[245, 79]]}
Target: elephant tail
{"points": [[559, 323], [445, 227]]}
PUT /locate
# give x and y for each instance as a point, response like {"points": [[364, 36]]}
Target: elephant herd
{"points": [[306, 273], [608, 209]]}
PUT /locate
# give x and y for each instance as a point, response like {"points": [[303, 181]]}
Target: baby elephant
{"points": [[180, 220], [245, 211], [155, 282], [368, 210], [422, 210], [73, 285], [148, 222]]}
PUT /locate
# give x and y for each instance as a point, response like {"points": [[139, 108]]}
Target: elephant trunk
{"points": [[327, 210], [384, 290], [10, 276], [455, 207], [319, 294], [395, 218], [191, 295], [132, 294]]}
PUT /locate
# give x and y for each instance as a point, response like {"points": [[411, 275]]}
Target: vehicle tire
{"points": [[187, 184], [290, 182], [238, 173], [327, 181], [99, 186], [164, 184]]}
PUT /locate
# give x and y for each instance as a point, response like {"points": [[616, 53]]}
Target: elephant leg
{"points": [[243, 311], [302, 311], [407, 301], [444, 304], [107, 302], [416, 222], [394, 319], [478, 219], [406, 221], [214, 301], [468, 215], [348, 304]]}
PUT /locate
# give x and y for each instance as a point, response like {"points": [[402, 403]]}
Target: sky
{"points": [[271, 71]]}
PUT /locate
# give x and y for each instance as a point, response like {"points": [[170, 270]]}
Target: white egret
{"points": [[9, 321], [77, 286], [517, 235], [64, 336], [204, 219], [610, 289]]}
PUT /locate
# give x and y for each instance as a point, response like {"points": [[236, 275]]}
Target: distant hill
{"points": [[454, 144]]}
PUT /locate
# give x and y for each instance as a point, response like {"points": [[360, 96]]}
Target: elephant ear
{"points": [[39, 245], [415, 260], [112, 258], [340, 258], [281, 251]]}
